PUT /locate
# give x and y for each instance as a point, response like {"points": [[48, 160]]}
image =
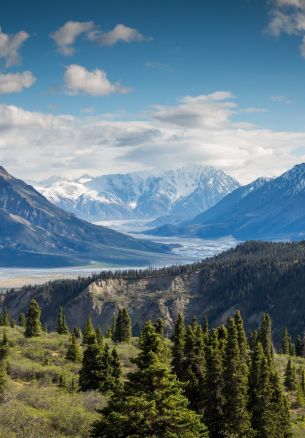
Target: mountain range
{"points": [[169, 195], [268, 208], [35, 232]]}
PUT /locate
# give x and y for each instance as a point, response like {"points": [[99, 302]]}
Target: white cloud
{"points": [[96, 144], [10, 46], [80, 80], [288, 16], [120, 33], [15, 82], [67, 34]]}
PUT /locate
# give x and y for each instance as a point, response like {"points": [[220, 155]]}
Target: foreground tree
{"points": [[152, 402], [73, 352], [33, 324], [122, 327], [62, 327], [178, 347]]}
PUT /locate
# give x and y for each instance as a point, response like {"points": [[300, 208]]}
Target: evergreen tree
{"points": [[285, 342], [73, 351], [222, 337], [290, 376], [265, 336], [99, 337], [4, 346], [62, 327], [194, 365], [237, 418], [214, 388], [122, 330], [159, 324], [299, 346], [205, 326], [262, 415], [280, 409], [12, 323], [21, 319], [242, 338], [33, 324], [303, 381], [178, 347], [5, 318], [77, 332], [89, 336], [126, 326], [152, 402], [116, 367], [92, 368]]}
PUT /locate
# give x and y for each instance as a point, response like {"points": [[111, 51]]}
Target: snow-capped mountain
{"points": [[179, 193], [264, 209]]}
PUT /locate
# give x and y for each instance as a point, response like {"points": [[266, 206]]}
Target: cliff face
{"points": [[146, 298]]}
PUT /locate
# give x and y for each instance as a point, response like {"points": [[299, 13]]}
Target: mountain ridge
{"points": [[140, 195], [31, 225], [264, 209]]}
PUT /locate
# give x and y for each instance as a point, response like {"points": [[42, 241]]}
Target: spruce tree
{"points": [[108, 333], [290, 376], [77, 332], [194, 365], [265, 336], [237, 418], [33, 324], [280, 409], [92, 367], [205, 325], [89, 335], [159, 324], [21, 319], [152, 402], [62, 327], [99, 337], [299, 346], [5, 318], [126, 326], [3, 381], [73, 352], [178, 347], [62, 381], [4, 346], [285, 342], [214, 400]]}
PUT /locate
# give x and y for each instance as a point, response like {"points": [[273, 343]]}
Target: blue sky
{"points": [[150, 84]]}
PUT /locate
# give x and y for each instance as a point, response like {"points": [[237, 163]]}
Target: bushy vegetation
{"points": [[203, 382]]}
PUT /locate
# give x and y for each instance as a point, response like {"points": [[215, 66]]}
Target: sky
{"points": [[101, 86]]}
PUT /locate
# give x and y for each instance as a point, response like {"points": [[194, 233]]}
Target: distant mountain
{"points": [[34, 232], [176, 194], [264, 209]]}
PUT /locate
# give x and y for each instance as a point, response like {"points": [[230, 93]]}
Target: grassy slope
{"points": [[34, 406]]}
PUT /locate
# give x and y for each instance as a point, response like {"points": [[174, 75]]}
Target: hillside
{"points": [[175, 194], [35, 232], [255, 277], [265, 209]]}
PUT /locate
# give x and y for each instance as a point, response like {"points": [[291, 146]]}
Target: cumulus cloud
{"points": [[120, 33], [15, 82], [95, 83], [288, 16], [67, 34], [70, 145], [10, 46]]}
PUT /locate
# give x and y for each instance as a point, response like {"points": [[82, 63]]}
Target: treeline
{"points": [[204, 382]]}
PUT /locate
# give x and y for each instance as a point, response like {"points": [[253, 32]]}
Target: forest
{"points": [[199, 382]]}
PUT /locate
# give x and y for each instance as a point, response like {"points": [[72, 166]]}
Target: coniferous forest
{"points": [[199, 381]]}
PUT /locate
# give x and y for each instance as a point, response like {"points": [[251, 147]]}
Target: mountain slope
{"points": [[264, 209], [178, 193], [31, 225], [254, 277]]}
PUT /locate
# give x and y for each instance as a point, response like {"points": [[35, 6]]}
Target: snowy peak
{"points": [[185, 191]]}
